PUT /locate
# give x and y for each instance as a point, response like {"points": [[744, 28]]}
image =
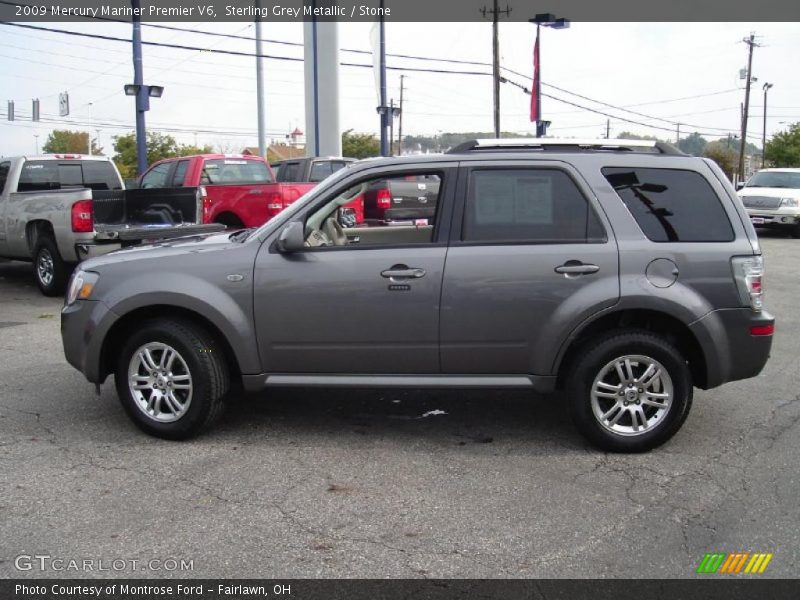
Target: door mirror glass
{"points": [[347, 217], [292, 238]]}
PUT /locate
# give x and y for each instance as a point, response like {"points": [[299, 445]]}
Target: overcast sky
{"points": [[645, 67]]}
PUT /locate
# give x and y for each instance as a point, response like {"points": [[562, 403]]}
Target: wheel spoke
{"points": [[141, 382], [147, 359], [173, 403], [629, 369], [151, 402], [620, 372], [647, 372], [650, 380]]}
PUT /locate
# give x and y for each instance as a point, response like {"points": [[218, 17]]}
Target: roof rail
{"points": [[566, 145]]}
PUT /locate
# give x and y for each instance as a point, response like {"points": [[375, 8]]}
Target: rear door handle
{"points": [[576, 267], [403, 272]]}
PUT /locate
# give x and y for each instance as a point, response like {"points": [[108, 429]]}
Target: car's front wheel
{"points": [[630, 391], [171, 378]]}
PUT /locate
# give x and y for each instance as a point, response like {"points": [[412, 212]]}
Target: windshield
{"points": [[775, 179], [234, 171], [302, 201]]}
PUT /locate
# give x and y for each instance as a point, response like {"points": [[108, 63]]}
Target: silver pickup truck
{"points": [[58, 210]]}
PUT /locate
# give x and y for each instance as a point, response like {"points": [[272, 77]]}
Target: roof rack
{"points": [[565, 145]]}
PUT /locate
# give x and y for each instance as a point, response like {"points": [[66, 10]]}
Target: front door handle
{"points": [[576, 267], [403, 272]]}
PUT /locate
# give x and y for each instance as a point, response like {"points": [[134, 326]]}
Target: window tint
{"points": [[289, 171], [234, 171], [70, 174], [528, 205], [157, 176], [180, 173], [320, 170], [671, 205], [100, 175], [39, 176], [4, 169]]}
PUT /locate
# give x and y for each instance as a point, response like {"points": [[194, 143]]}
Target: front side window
{"points": [[386, 211], [671, 205], [157, 176], [528, 205]]}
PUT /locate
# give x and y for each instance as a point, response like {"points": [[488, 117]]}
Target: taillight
{"points": [[275, 203], [82, 217], [748, 271], [762, 329], [384, 198], [205, 202]]}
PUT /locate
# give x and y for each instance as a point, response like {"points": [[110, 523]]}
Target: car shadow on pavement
{"points": [[437, 417]]}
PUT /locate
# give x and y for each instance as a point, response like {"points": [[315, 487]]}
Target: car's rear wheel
{"points": [[171, 378], [50, 269], [629, 391]]}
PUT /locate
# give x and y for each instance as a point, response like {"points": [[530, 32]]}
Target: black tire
{"points": [[591, 363], [49, 269], [204, 363], [795, 231]]}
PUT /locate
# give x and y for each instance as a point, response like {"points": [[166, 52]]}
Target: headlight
{"points": [[789, 202], [81, 285]]}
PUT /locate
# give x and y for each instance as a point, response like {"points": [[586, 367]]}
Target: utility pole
{"points": [[751, 43], [608, 129], [495, 12], [764, 130], [141, 93], [89, 111], [383, 109], [677, 133], [391, 127], [400, 124], [260, 102]]}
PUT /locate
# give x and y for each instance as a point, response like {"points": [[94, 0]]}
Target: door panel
{"points": [[531, 257], [332, 311]]}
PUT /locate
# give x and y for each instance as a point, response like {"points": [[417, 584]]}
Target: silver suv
{"points": [[616, 275]]}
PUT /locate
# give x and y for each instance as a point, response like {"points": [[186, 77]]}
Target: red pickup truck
{"points": [[238, 190]]}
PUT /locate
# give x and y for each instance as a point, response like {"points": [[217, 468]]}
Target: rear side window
{"points": [[671, 205], [289, 171], [320, 170], [528, 205], [100, 175], [233, 171], [157, 176], [39, 176], [4, 169]]}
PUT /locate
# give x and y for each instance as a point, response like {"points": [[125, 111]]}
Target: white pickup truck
{"points": [[57, 210], [772, 199]]}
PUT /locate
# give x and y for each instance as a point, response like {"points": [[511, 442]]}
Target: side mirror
{"points": [[292, 238], [739, 185]]}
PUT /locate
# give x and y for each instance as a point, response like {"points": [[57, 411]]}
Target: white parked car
{"points": [[772, 199]]}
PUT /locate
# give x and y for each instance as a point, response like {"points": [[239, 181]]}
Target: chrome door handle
{"points": [[574, 267], [403, 272]]}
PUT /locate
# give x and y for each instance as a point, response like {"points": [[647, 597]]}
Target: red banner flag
{"points": [[535, 108]]}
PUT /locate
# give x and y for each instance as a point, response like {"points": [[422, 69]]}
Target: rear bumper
{"points": [[731, 351]]}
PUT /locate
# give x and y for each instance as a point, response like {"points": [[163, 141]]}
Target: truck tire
{"points": [[49, 268], [231, 222], [172, 378], [629, 391], [795, 231]]}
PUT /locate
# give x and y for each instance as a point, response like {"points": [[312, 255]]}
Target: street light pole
{"points": [[766, 88], [142, 97], [542, 20]]}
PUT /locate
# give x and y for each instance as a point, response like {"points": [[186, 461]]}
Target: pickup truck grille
{"points": [[761, 202]]}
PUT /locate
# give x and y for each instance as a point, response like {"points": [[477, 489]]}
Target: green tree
{"points": [[66, 141], [724, 155], [783, 150], [159, 147], [693, 144], [359, 145]]}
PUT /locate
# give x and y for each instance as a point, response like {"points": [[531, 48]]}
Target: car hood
{"points": [[188, 245], [770, 192]]}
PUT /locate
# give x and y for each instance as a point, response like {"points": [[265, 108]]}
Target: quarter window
{"points": [[180, 173], [671, 205], [4, 169], [528, 205]]}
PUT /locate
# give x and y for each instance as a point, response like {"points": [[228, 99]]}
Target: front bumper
{"points": [[761, 217], [84, 325], [731, 351]]}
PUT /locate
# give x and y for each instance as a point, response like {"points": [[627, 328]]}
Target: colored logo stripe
{"points": [[722, 562]]}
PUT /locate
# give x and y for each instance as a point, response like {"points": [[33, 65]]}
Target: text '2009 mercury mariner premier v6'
{"points": [[616, 274]]}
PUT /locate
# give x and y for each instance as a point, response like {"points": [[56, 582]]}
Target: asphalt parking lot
{"points": [[363, 484]]}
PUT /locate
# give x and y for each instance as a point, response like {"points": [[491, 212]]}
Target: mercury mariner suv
{"points": [[616, 275]]}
